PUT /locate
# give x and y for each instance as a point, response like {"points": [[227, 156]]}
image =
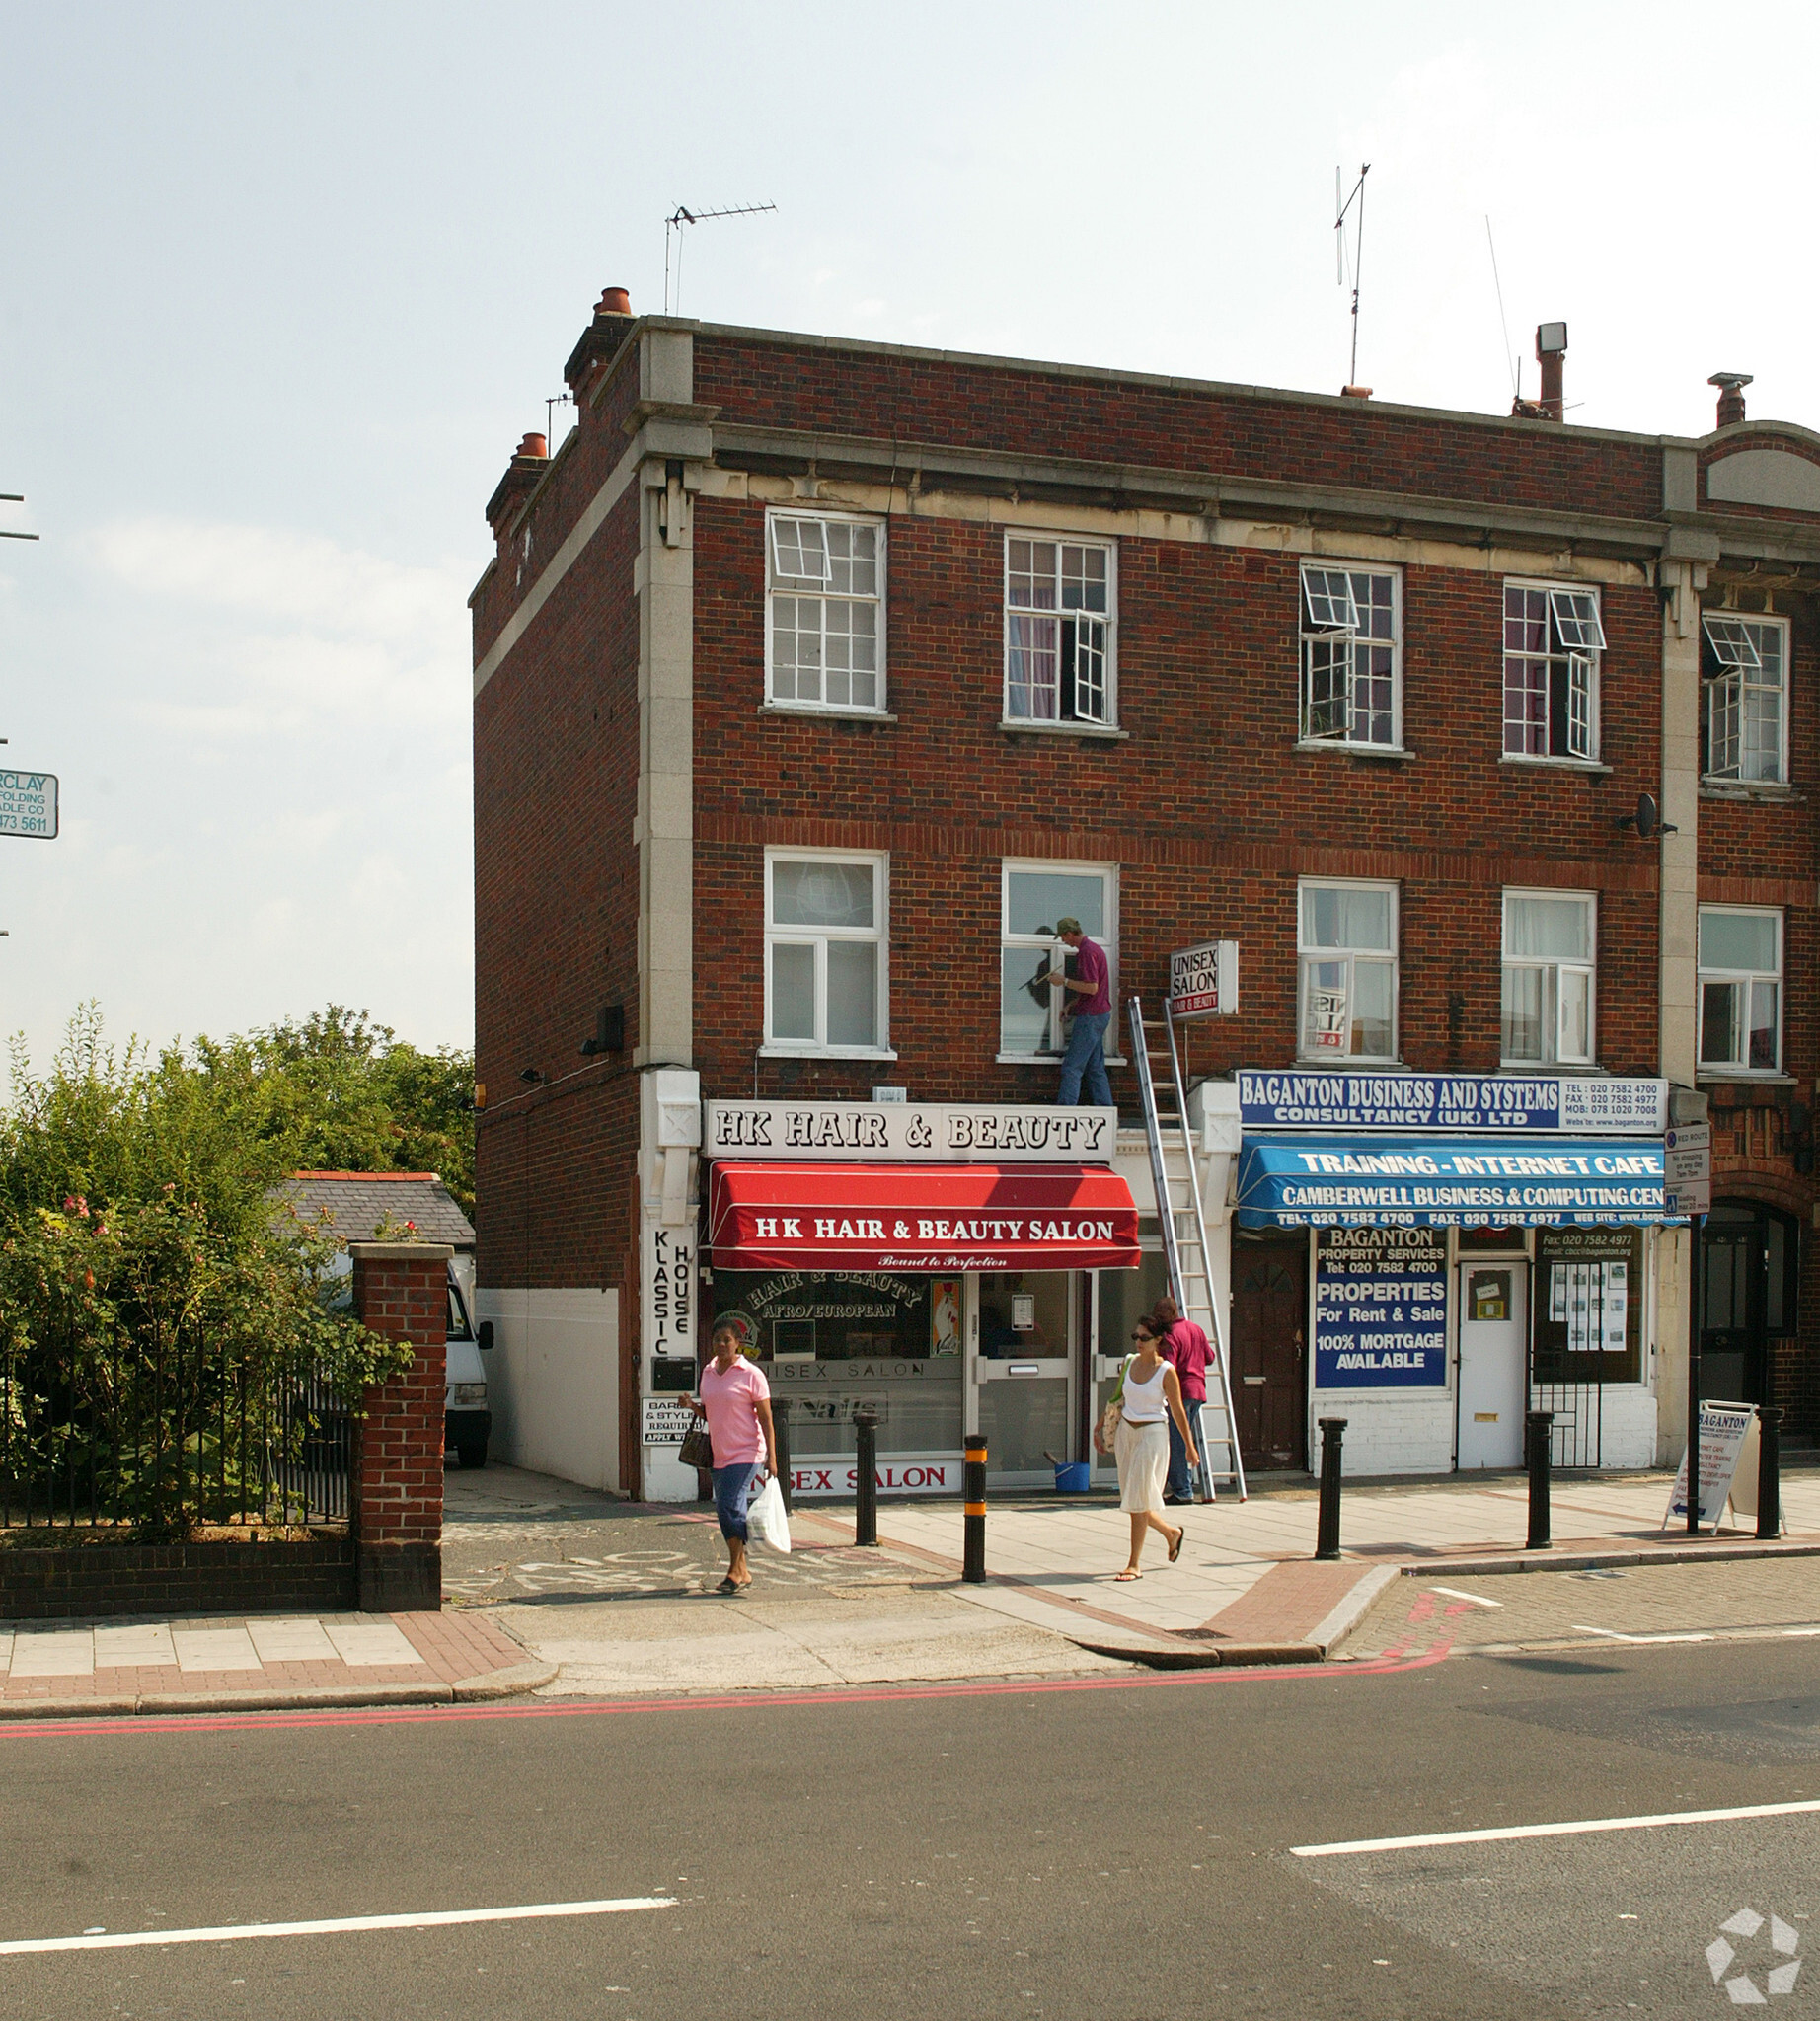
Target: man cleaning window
{"points": [[1088, 1007]]}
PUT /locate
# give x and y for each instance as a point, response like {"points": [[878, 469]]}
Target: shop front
{"points": [[1474, 1247], [933, 1265]]}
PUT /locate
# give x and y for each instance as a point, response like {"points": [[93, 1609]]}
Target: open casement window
{"points": [[825, 952], [1351, 642], [1034, 896], [1740, 990], [1060, 617], [1347, 964], [1549, 972], [1744, 670], [826, 595], [1553, 640]]}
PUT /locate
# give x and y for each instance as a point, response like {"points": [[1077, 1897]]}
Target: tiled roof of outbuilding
{"points": [[357, 1202]]}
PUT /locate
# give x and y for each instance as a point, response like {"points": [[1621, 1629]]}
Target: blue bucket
{"points": [[1075, 1478]]}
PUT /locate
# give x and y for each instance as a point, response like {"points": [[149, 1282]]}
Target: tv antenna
{"points": [[1511, 358], [1358, 246], [683, 216]]}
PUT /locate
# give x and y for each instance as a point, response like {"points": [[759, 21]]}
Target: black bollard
{"points": [[973, 1508], [780, 1425], [1326, 1539], [1769, 1472], [866, 1479], [1538, 1438]]}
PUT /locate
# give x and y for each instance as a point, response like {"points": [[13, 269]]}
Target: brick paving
{"points": [[252, 1657]]}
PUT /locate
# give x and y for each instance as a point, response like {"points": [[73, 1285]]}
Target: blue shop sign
{"points": [[1316, 1099], [1381, 1308], [1311, 1181]]}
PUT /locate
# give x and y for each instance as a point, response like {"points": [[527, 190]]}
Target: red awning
{"points": [[925, 1218]]}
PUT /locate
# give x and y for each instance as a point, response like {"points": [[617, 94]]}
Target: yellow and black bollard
{"points": [[973, 1508]]}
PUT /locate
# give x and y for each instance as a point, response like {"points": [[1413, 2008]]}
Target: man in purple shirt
{"points": [[1088, 1007]]}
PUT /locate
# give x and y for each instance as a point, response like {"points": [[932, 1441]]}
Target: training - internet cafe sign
{"points": [[938, 1132]]}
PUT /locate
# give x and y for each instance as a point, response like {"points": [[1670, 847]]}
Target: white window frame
{"points": [[1741, 979], [1034, 943], [1321, 598], [1577, 636], [1080, 724], [1727, 639], [818, 937], [776, 585], [1551, 1054], [1308, 953]]}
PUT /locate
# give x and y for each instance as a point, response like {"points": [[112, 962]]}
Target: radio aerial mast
{"points": [[682, 215]]}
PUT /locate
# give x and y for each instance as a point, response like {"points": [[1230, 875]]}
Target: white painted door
{"points": [[1493, 1363]]}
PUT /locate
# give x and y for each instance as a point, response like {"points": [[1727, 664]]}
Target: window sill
{"points": [[1768, 791], [1743, 1077], [1047, 1058], [1567, 1070], [1394, 751], [824, 1053], [1021, 725], [825, 713], [1348, 1061], [1590, 766]]}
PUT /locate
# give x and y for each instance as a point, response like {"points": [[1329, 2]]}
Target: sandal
{"points": [[1119, 1578], [732, 1585], [1181, 1538]]}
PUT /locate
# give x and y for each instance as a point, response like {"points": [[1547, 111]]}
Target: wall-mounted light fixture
{"points": [[1647, 820]]}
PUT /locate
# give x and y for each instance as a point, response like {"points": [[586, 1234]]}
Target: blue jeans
{"points": [[1085, 1055], [732, 1490], [1180, 1481]]}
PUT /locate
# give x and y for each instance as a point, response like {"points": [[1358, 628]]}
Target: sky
{"points": [[281, 288]]}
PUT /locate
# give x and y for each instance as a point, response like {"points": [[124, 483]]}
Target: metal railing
{"points": [[164, 1442]]}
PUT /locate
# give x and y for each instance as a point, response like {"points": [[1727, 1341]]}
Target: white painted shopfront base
{"points": [[1627, 1432], [553, 1382], [1387, 1430]]}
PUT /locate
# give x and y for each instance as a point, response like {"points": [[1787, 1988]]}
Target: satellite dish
{"points": [[1647, 820]]}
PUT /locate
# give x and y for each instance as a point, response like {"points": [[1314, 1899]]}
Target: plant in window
{"points": [[1058, 632]]}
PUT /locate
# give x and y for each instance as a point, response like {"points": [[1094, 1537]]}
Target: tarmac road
{"points": [[1116, 1847]]}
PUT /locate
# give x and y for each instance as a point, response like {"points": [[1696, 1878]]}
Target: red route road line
{"points": [[594, 1709]]}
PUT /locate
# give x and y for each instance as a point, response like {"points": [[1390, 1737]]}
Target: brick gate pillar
{"points": [[401, 1292]]}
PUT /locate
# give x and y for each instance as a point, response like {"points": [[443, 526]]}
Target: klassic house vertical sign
{"points": [[1381, 1308]]}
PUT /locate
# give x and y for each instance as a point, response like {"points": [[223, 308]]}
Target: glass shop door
{"points": [[1024, 1373]]}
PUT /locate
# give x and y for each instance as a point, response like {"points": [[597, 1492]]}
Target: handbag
{"points": [[697, 1448], [1105, 1432]]}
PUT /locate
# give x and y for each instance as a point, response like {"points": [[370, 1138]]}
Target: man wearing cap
{"points": [[1088, 1007]]}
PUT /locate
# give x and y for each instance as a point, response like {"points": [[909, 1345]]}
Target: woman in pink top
{"points": [[735, 1400]]}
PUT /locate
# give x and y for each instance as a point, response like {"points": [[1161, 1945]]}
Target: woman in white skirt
{"points": [[1141, 1443]]}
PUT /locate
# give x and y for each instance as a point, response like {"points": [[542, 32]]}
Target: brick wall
{"points": [[401, 1292]]}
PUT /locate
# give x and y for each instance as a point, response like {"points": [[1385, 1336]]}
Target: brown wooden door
{"points": [[1269, 1355]]}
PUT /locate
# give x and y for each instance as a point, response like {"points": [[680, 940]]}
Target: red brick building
{"points": [[815, 678]]}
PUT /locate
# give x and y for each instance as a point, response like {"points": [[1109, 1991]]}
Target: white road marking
{"points": [[1454, 1593], [429, 1920], [1572, 1829], [1613, 1635]]}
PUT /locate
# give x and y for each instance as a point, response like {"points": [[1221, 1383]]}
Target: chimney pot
{"points": [[1731, 387], [1551, 349], [534, 445], [1356, 392], [612, 302]]}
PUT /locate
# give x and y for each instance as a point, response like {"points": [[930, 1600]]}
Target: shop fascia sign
{"points": [[1318, 1099], [889, 1131]]}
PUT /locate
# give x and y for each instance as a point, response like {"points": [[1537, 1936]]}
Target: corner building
{"points": [[814, 680]]}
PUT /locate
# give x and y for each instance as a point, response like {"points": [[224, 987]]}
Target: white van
{"points": [[466, 1421]]}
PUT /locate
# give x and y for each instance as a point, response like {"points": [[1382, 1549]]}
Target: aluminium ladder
{"points": [[1175, 1172]]}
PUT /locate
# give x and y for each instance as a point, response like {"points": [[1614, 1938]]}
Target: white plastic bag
{"points": [[767, 1519]]}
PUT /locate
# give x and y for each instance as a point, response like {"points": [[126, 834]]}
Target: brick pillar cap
{"points": [[401, 1252]]}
